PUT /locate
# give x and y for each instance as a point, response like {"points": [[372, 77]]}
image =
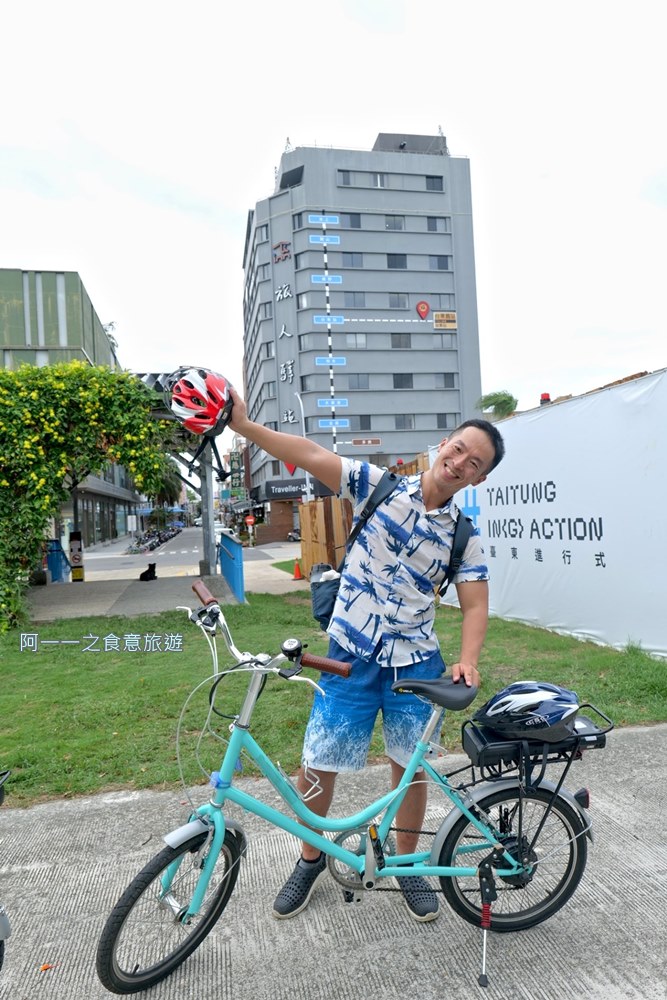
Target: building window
{"points": [[400, 340], [355, 300], [444, 341], [361, 422], [402, 380], [394, 222], [268, 350], [438, 224], [357, 381], [398, 300], [404, 421], [440, 262], [270, 390], [353, 260], [344, 177], [302, 300], [445, 380], [275, 468], [397, 261], [447, 421], [352, 220], [356, 340], [263, 272], [434, 184], [262, 234], [378, 180], [308, 383], [307, 342], [265, 310], [272, 425], [299, 261], [297, 220]]}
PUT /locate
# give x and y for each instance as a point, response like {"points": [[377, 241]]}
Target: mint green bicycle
{"points": [[508, 855]]}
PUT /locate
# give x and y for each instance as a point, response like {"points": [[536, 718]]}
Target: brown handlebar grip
{"points": [[203, 593], [326, 665]]}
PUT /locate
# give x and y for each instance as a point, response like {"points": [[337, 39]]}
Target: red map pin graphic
{"points": [[423, 309]]}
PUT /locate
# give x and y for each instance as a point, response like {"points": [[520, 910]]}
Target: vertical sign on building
{"points": [[329, 320]]}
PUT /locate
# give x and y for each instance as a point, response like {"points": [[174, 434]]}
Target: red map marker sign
{"points": [[423, 309], [290, 468]]}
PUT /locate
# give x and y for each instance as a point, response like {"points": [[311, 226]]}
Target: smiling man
{"points": [[382, 624]]}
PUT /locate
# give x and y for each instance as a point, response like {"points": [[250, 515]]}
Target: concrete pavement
{"points": [[64, 863], [120, 592]]}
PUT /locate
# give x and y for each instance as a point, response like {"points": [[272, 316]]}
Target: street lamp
{"points": [[306, 496]]}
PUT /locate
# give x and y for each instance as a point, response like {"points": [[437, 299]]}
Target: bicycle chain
{"points": [[401, 829]]}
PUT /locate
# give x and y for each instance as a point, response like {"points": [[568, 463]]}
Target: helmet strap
{"points": [[222, 475]]}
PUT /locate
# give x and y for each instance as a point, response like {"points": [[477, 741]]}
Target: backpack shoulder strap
{"points": [[383, 489], [462, 533]]}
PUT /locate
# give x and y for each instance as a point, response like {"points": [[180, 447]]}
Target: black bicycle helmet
{"points": [[530, 710]]}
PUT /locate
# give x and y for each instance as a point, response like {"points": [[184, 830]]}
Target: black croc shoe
{"points": [[420, 899], [295, 894]]}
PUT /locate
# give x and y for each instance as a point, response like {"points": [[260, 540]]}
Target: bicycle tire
{"points": [[559, 860], [2, 953], [143, 941]]}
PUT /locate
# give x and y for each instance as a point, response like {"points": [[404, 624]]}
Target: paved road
{"points": [[64, 864]]}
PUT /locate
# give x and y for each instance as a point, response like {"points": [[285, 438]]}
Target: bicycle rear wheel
{"points": [[145, 937], [554, 866]]}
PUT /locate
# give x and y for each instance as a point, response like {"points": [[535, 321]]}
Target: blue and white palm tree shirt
{"points": [[396, 564]]}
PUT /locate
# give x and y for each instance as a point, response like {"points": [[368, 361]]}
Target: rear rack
{"points": [[495, 756]]}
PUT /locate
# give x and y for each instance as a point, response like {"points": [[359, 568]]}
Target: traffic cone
{"points": [[297, 571]]}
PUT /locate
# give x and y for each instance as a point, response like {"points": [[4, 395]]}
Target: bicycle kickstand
{"points": [[488, 892]]}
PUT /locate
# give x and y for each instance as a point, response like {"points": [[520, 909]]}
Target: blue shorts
{"points": [[341, 723]]}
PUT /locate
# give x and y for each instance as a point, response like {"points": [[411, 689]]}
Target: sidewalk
{"points": [[113, 592], [65, 863]]}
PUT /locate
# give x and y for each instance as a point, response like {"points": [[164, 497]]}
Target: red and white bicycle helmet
{"points": [[200, 399]]}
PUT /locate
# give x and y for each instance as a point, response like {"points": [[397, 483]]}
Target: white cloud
{"points": [[137, 138]]}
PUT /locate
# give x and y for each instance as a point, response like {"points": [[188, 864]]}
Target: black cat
{"points": [[149, 574]]}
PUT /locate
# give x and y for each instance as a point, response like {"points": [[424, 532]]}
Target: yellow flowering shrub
{"points": [[59, 424]]}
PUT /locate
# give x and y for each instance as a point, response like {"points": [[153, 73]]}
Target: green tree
{"points": [[59, 424], [502, 403]]}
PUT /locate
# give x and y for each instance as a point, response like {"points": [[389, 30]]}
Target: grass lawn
{"points": [[77, 721]]}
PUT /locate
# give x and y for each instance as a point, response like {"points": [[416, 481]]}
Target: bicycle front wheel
{"points": [[147, 935], [553, 866]]}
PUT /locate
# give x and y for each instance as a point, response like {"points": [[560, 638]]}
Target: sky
{"points": [[136, 136]]}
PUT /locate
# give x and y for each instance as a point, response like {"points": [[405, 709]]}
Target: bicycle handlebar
{"points": [[321, 663], [203, 593], [326, 665]]}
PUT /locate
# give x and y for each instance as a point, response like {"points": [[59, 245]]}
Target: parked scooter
{"points": [[5, 929], [294, 535]]}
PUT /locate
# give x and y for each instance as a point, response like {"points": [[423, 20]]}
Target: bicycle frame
{"points": [[300, 824]]}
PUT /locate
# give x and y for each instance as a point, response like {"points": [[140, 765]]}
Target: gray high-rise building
{"points": [[360, 309]]}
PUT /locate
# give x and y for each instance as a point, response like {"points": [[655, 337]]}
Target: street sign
{"points": [[330, 220], [333, 402], [322, 240], [444, 321], [330, 361], [362, 442], [321, 279], [329, 319], [249, 520], [333, 423]]}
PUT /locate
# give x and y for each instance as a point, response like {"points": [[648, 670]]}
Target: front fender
{"points": [[183, 833], [486, 788]]}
